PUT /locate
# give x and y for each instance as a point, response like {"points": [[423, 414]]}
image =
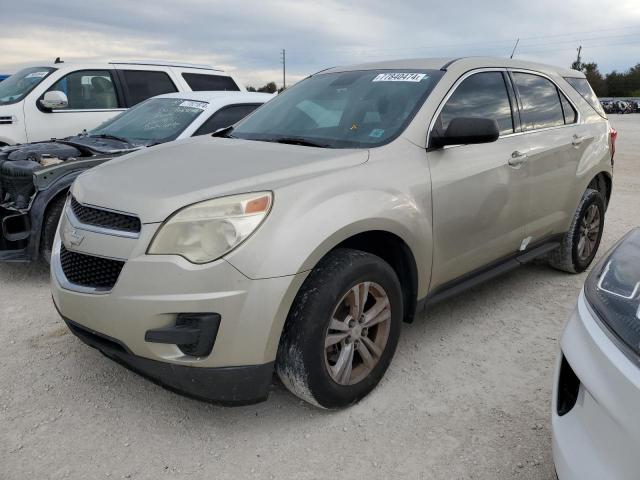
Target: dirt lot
{"points": [[467, 395]]}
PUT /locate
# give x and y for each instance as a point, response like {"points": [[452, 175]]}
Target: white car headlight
{"points": [[206, 231]]}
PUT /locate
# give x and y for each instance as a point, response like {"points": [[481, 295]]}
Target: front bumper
{"points": [[152, 291], [225, 385], [598, 438]]}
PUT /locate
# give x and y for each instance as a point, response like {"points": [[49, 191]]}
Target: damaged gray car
{"points": [[35, 177]]}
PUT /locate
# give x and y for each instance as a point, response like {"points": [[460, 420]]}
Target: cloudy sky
{"points": [[245, 37]]}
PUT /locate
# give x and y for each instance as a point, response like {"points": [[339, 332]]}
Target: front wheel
{"points": [[581, 242], [342, 330]]}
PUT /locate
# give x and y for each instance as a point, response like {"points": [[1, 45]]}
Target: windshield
{"points": [[18, 86], [359, 109], [153, 121]]}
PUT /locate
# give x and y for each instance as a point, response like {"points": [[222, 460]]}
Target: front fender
{"points": [[295, 237]]}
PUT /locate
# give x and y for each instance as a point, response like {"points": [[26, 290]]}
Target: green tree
{"points": [[597, 81]]}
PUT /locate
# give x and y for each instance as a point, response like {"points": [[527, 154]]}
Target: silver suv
{"points": [[304, 236]]}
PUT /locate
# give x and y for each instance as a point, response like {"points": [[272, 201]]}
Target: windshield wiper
{"points": [[297, 141], [111, 137]]}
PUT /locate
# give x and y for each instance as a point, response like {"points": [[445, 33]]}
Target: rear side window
{"points": [[541, 107], [482, 95], [143, 84], [570, 114], [581, 85], [199, 82], [225, 117]]}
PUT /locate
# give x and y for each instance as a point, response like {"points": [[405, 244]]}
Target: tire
{"points": [[308, 368], [49, 227], [569, 257]]}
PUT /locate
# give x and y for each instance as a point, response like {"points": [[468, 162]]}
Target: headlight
{"points": [[205, 231], [613, 289]]}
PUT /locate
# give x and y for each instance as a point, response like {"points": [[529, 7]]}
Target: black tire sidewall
{"points": [[50, 226], [591, 197], [314, 320]]}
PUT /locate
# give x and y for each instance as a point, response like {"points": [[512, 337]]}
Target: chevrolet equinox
{"points": [[301, 238]]}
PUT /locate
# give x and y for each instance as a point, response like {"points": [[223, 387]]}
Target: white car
{"points": [[596, 400], [61, 99]]}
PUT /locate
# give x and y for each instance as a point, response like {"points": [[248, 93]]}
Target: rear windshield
{"points": [[359, 109], [18, 86], [581, 85]]}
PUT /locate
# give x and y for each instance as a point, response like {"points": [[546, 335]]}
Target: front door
{"points": [[92, 97], [479, 192]]}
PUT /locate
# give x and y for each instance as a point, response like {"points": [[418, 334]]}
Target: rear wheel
{"points": [[49, 227], [581, 242], [342, 330]]}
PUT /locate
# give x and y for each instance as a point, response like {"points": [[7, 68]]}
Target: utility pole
{"points": [[284, 69], [577, 65]]}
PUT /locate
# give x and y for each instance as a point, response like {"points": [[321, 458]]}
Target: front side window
{"points": [[88, 90], [18, 86], [358, 109], [225, 117], [200, 82], [541, 107], [143, 84], [482, 95], [155, 121]]}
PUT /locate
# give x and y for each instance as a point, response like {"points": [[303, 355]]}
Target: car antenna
{"points": [[514, 47], [58, 60]]}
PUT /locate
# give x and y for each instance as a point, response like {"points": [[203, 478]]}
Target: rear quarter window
{"points": [[581, 85], [200, 82]]}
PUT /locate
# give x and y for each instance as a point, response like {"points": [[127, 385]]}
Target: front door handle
{"points": [[517, 159]]}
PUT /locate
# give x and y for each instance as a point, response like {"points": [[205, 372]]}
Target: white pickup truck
{"points": [[61, 99]]}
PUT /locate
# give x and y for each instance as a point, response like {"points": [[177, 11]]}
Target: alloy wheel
{"points": [[358, 333], [589, 232]]}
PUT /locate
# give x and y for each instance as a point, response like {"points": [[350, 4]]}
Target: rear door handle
{"points": [[517, 159], [577, 140]]}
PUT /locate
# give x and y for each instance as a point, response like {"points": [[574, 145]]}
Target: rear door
{"points": [[93, 95], [479, 199], [555, 142]]}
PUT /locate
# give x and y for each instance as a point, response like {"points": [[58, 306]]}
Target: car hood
{"points": [[155, 182]]}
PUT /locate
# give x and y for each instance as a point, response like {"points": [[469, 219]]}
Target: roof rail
{"points": [[161, 63]]}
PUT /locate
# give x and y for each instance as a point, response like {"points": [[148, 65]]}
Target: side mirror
{"points": [[466, 131], [54, 100]]}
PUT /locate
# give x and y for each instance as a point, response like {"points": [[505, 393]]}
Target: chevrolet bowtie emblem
{"points": [[75, 238]]}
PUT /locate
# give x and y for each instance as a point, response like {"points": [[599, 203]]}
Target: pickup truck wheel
{"points": [[342, 330], [581, 242], [49, 227]]}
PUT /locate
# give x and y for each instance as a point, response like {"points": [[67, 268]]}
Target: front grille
{"points": [[104, 218], [6, 120], [89, 271]]}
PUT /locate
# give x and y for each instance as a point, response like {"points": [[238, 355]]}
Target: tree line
{"points": [[614, 84]]}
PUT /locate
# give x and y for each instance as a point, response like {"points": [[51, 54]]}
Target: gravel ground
{"points": [[467, 395]]}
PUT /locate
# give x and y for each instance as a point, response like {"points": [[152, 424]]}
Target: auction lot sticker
{"points": [[399, 77], [194, 104]]}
